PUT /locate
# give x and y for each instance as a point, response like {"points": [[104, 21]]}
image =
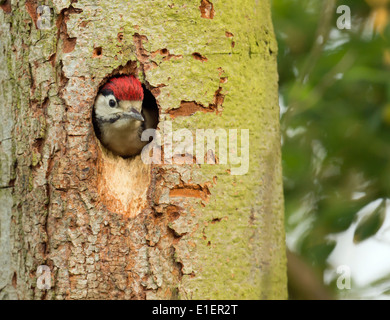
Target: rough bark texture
{"points": [[113, 228]]}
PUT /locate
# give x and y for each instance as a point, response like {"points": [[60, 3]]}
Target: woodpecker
{"points": [[123, 109]]}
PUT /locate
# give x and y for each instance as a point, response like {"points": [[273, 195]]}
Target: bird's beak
{"points": [[134, 114]]}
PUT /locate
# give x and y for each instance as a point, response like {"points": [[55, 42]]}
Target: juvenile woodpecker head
{"points": [[119, 116], [120, 97]]}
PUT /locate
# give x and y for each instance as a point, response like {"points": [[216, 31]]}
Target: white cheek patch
{"points": [[102, 106]]}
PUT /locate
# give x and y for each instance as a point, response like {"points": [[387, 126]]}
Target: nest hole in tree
{"points": [[97, 52], [123, 182], [149, 105]]}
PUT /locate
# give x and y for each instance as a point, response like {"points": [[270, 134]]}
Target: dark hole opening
{"points": [[97, 51]]}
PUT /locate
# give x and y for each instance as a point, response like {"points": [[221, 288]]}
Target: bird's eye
{"points": [[112, 103]]}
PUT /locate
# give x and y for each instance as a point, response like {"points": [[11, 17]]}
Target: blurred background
{"points": [[334, 65]]}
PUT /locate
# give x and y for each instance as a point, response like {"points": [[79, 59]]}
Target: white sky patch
{"points": [[358, 195], [368, 260], [336, 39], [295, 71], [303, 221], [282, 106], [319, 155], [320, 39], [292, 132], [294, 236]]}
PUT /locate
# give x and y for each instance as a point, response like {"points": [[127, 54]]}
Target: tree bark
{"points": [[113, 228]]}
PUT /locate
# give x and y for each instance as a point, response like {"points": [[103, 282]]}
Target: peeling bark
{"points": [[207, 9], [113, 228]]}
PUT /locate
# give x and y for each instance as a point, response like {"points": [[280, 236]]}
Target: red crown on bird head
{"points": [[125, 87]]}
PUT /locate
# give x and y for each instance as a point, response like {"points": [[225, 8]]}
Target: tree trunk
{"points": [[114, 228]]}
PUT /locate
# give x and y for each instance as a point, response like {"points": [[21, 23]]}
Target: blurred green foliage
{"points": [[335, 116]]}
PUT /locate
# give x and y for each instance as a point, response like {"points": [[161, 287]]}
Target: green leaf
{"points": [[370, 224]]}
